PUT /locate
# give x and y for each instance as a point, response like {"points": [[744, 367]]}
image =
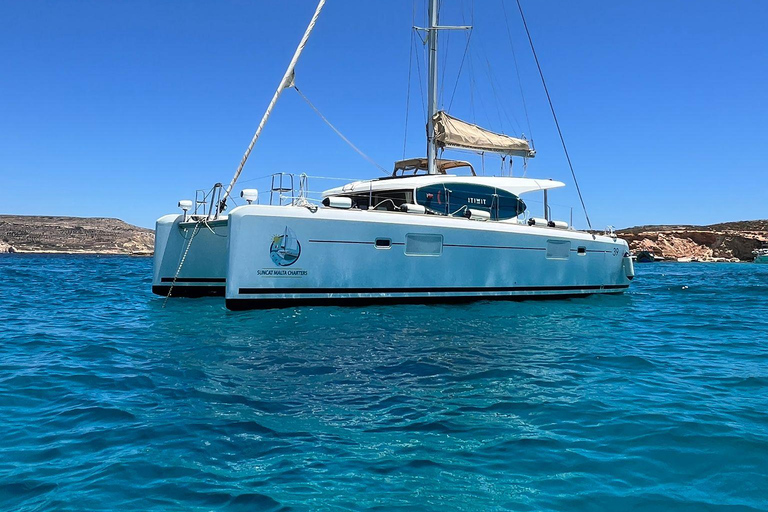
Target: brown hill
{"points": [[729, 240], [97, 235], [76, 235]]}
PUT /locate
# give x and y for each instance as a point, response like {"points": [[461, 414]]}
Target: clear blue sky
{"points": [[120, 109]]}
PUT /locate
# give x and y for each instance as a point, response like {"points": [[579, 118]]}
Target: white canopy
{"points": [[517, 186], [455, 133]]}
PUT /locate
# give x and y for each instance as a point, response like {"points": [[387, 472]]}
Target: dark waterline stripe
{"points": [[189, 291], [273, 291], [194, 280], [276, 303]]}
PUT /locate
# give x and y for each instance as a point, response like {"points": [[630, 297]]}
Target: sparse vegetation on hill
{"points": [[77, 235]]}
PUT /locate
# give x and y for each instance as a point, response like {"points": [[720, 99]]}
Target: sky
{"points": [[120, 109]]}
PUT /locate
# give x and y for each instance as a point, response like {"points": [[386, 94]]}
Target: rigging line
{"points": [[472, 99], [444, 60], [286, 82], [445, 65], [461, 66], [517, 70], [408, 93], [338, 132], [256, 178], [421, 85], [515, 125], [478, 51], [552, 108], [446, 46], [482, 106], [498, 99], [469, 62]]}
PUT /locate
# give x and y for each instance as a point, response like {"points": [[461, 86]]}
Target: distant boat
{"points": [[761, 255], [645, 257]]}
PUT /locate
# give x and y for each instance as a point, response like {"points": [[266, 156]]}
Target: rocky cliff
{"points": [[79, 235], [76, 235], [729, 240]]}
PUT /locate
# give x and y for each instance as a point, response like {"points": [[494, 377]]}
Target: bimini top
{"points": [[420, 164]]}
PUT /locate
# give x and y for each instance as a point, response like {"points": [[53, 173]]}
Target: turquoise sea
{"points": [[654, 400]]}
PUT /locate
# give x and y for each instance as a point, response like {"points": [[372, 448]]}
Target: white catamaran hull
{"points": [[204, 271], [357, 257]]}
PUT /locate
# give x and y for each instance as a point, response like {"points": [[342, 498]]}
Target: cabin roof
{"points": [[512, 185]]}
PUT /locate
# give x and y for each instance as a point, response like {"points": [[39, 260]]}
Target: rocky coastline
{"points": [[73, 235], [729, 241]]}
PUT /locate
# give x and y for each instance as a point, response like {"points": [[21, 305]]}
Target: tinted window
{"points": [[423, 245], [389, 200], [558, 249], [455, 198]]}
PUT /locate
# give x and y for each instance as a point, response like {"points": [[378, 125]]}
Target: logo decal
{"points": [[285, 248]]}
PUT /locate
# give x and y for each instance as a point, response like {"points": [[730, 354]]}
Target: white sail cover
{"points": [[455, 133]]}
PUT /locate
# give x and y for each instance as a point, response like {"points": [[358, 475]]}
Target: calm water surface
{"points": [[654, 400]]}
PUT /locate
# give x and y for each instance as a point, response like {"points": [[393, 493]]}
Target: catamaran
{"points": [[423, 234]]}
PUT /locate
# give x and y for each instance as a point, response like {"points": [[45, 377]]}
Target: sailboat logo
{"points": [[285, 248]]}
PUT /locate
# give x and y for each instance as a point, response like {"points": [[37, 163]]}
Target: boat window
{"points": [[455, 198], [423, 245], [386, 200], [558, 249], [383, 243], [582, 250]]}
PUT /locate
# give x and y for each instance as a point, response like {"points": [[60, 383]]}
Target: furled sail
{"points": [[455, 133]]}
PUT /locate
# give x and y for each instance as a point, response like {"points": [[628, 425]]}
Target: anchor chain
{"points": [[181, 263]]}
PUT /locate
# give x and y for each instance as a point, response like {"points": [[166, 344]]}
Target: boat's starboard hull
{"points": [[359, 258]]}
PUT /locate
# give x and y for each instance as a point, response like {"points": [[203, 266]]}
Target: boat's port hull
{"points": [[427, 259], [204, 271]]}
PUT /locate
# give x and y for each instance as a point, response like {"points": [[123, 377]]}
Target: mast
{"points": [[432, 31], [432, 87], [287, 81]]}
